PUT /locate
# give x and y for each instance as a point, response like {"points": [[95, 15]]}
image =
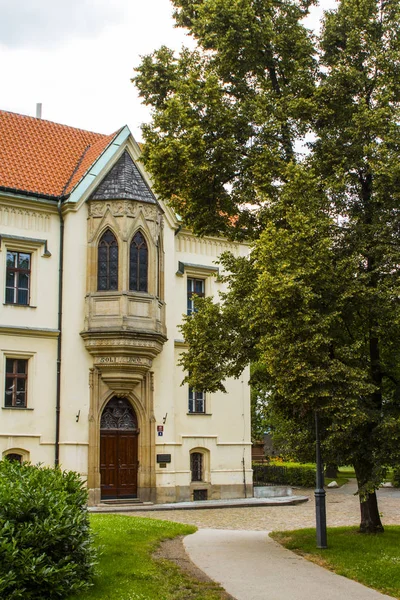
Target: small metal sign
{"points": [[163, 458], [160, 427], [162, 465], [160, 433]]}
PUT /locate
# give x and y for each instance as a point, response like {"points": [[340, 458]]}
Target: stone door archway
{"points": [[119, 450]]}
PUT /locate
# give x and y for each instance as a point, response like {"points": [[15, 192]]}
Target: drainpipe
{"points": [[60, 299]]}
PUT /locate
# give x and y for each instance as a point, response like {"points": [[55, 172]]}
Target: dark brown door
{"points": [[118, 450]]}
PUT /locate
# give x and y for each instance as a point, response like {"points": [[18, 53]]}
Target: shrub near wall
{"points": [[396, 477], [45, 543], [298, 475]]}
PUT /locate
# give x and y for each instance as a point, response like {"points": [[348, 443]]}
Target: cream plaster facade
{"points": [[115, 343]]}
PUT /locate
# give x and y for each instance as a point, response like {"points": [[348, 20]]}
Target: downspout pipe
{"points": [[59, 347]]}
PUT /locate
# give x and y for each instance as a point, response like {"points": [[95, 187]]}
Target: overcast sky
{"points": [[76, 57]]}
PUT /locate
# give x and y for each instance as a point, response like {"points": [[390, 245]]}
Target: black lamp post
{"points": [[320, 507]]}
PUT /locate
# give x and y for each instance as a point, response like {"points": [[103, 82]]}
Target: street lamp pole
{"points": [[320, 507]]}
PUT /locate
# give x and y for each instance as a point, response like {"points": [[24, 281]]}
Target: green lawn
{"points": [[126, 570], [373, 560]]}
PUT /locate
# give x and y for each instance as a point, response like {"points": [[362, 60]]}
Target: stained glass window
{"points": [[18, 278], [138, 264], [107, 262]]}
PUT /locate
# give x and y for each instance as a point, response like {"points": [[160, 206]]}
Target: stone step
{"points": [[114, 501]]}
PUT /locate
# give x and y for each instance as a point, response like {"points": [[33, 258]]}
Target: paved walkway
{"points": [[233, 548], [199, 505], [252, 566], [342, 507]]}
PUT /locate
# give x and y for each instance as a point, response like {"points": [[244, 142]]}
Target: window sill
{"points": [[19, 305], [200, 413], [16, 408]]}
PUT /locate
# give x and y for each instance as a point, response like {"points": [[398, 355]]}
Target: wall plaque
{"points": [[163, 458]]}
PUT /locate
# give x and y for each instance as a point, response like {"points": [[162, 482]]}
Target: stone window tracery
{"points": [[107, 262], [118, 414], [138, 264]]}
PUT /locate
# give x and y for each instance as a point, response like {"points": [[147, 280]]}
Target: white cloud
{"points": [[48, 23], [77, 57]]}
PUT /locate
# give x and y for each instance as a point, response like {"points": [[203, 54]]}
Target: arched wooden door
{"points": [[118, 450]]}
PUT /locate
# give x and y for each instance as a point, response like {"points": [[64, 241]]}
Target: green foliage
{"points": [[227, 113], [299, 475], [372, 560], [315, 305], [127, 567], [45, 541], [396, 477]]}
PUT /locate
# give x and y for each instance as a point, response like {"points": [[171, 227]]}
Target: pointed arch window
{"points": [[138, 263], [107, 262]]}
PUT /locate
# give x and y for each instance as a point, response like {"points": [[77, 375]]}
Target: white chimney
{"points": [[39, 110]]}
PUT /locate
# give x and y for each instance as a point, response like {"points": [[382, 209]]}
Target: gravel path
{"points": [[342, 508]]}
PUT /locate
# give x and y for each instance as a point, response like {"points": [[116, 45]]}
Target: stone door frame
{"points": [[141, 399]]}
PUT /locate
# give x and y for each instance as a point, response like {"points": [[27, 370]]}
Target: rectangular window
{"points": [[196, 466], [16, 383], [197, 401], [18, 278], [195, 287]]}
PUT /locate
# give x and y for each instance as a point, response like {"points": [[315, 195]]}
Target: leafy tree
{"points": [[316, 304]]}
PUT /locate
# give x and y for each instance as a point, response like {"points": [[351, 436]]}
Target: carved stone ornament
{"points": [[133, 343], [97, 209], [118, 414]]}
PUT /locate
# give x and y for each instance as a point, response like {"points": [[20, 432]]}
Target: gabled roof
{"points": [[124, 182], [44, 158]]}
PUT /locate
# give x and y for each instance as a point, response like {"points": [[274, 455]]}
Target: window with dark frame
{"points": [[138, 263], [107, 262], [196, 466], [18, 278], [14, 457], [16, 383], [195, 287], [197, 401]]}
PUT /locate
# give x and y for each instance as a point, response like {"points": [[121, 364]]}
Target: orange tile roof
{"points": [[45, 158]]}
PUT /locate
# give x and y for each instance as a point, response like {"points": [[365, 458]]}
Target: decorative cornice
{"points": [[24, 216], [29, 331], [199, 269], [126, 349], [26, 242]]}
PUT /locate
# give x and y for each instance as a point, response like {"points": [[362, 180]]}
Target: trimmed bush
{"points": [[46, 549], [284, 475], [396, 477]]}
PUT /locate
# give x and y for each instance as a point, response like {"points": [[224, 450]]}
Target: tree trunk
{"points": [[331, 470], [370, 519]]}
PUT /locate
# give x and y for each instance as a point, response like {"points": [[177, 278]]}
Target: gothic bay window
{"points": [[138, 264], [107, 262], [195, 287], [16, 383], [197, 403], [18, 278]]}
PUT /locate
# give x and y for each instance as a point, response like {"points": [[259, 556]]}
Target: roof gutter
{"points": [[9, 190]]}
